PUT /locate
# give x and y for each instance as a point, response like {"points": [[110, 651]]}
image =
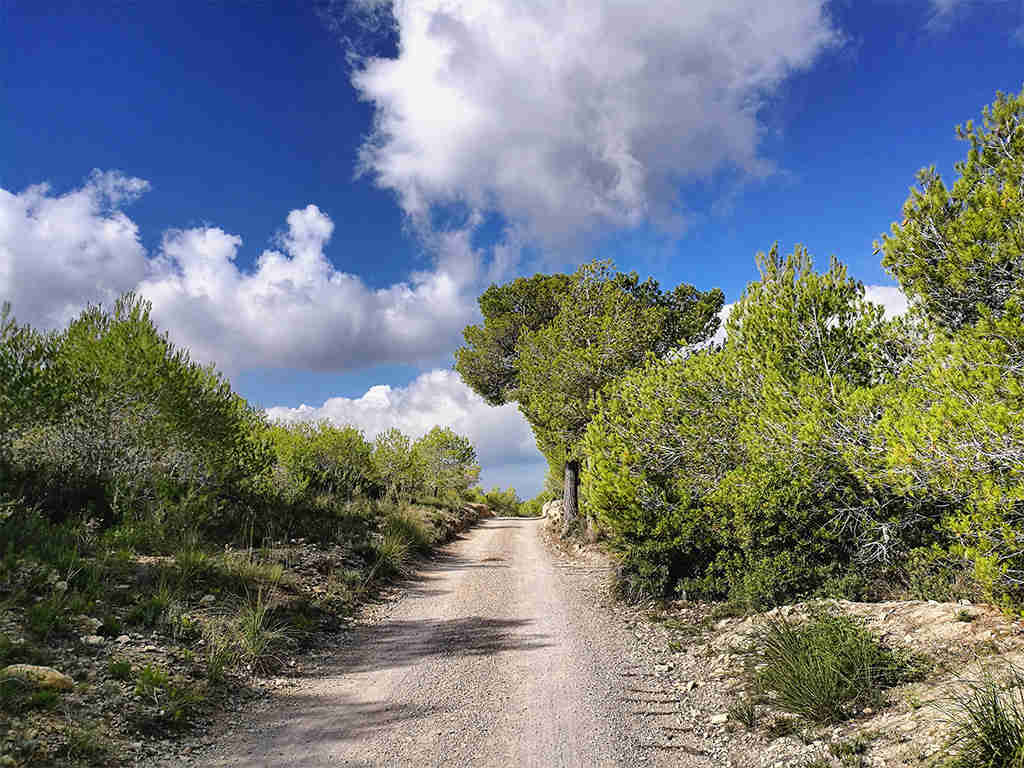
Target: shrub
{"points": [[825, 669]]}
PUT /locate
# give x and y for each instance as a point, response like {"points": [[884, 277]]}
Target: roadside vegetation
{"points": [[822, 448], [819, 448], [163, 543]]}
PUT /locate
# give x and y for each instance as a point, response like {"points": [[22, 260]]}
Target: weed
{"points": [[392, 551], [16, 697], [987, 721], [21, 653], [242, 571], [408, 525], [192, 563], [44, 618], [150, 609], [220, 656], [850, 753], [260, 639], [86, 745], [827, 668], [174, 700], [120, 669], [782, 726], [964, 615], [150, 682], [743, 710], [730, 609]]}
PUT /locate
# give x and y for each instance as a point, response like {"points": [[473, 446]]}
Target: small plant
{"points": [[392, 553], [744, 711], [150, 609], [825, 669], [260, 639], [174, 700], [21, 653], [987, 721], [16, 697], [850, 753], [964, 615], [44, 618], [782, 726], [120, 669], [409, 526], [150, 683], [220, 656], [86, 745]]}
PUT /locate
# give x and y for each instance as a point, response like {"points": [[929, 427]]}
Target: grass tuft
{"points": [[261, 640], [393, 554], [744, 711], [987, 720], [826, 669], [408, 525]]}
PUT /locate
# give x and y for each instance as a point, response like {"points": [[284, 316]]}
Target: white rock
{"points": [[208, 600], [93, 639]]}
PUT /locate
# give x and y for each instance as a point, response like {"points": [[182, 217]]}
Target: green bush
{"points": [[734, 468]]}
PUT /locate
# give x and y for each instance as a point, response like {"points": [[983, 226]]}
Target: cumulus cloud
{"points": [[58, 252], [503, 440], [577, 117], [295, 309], [292, 309]]}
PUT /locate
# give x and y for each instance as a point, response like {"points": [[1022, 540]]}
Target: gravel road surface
{"points": [[496, 655]]}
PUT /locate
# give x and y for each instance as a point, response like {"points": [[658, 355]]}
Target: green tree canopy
{"points": [[960, 251], [489, 361], [448, 462], [606, 324]]}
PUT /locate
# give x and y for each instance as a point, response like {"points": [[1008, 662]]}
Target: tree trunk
{"points": [[570, 499]]}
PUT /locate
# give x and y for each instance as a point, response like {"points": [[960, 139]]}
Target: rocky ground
{"points": [[688, 664], [426, 671], [134, 677]]}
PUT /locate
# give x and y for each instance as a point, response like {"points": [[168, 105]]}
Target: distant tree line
{"points": [[822, 448]]}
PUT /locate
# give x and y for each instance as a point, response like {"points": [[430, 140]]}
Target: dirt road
{"points": [[494, 657]]}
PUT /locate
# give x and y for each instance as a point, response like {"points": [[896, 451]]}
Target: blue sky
{"points": [[443, 145]]}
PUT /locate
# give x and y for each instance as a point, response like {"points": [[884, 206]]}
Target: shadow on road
{"points": [[400, 643]]}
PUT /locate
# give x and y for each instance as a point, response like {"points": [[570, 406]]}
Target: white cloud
{"points": [[503, 440], [574, 117], [60, 252], [892, 299], [293, 309]]}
